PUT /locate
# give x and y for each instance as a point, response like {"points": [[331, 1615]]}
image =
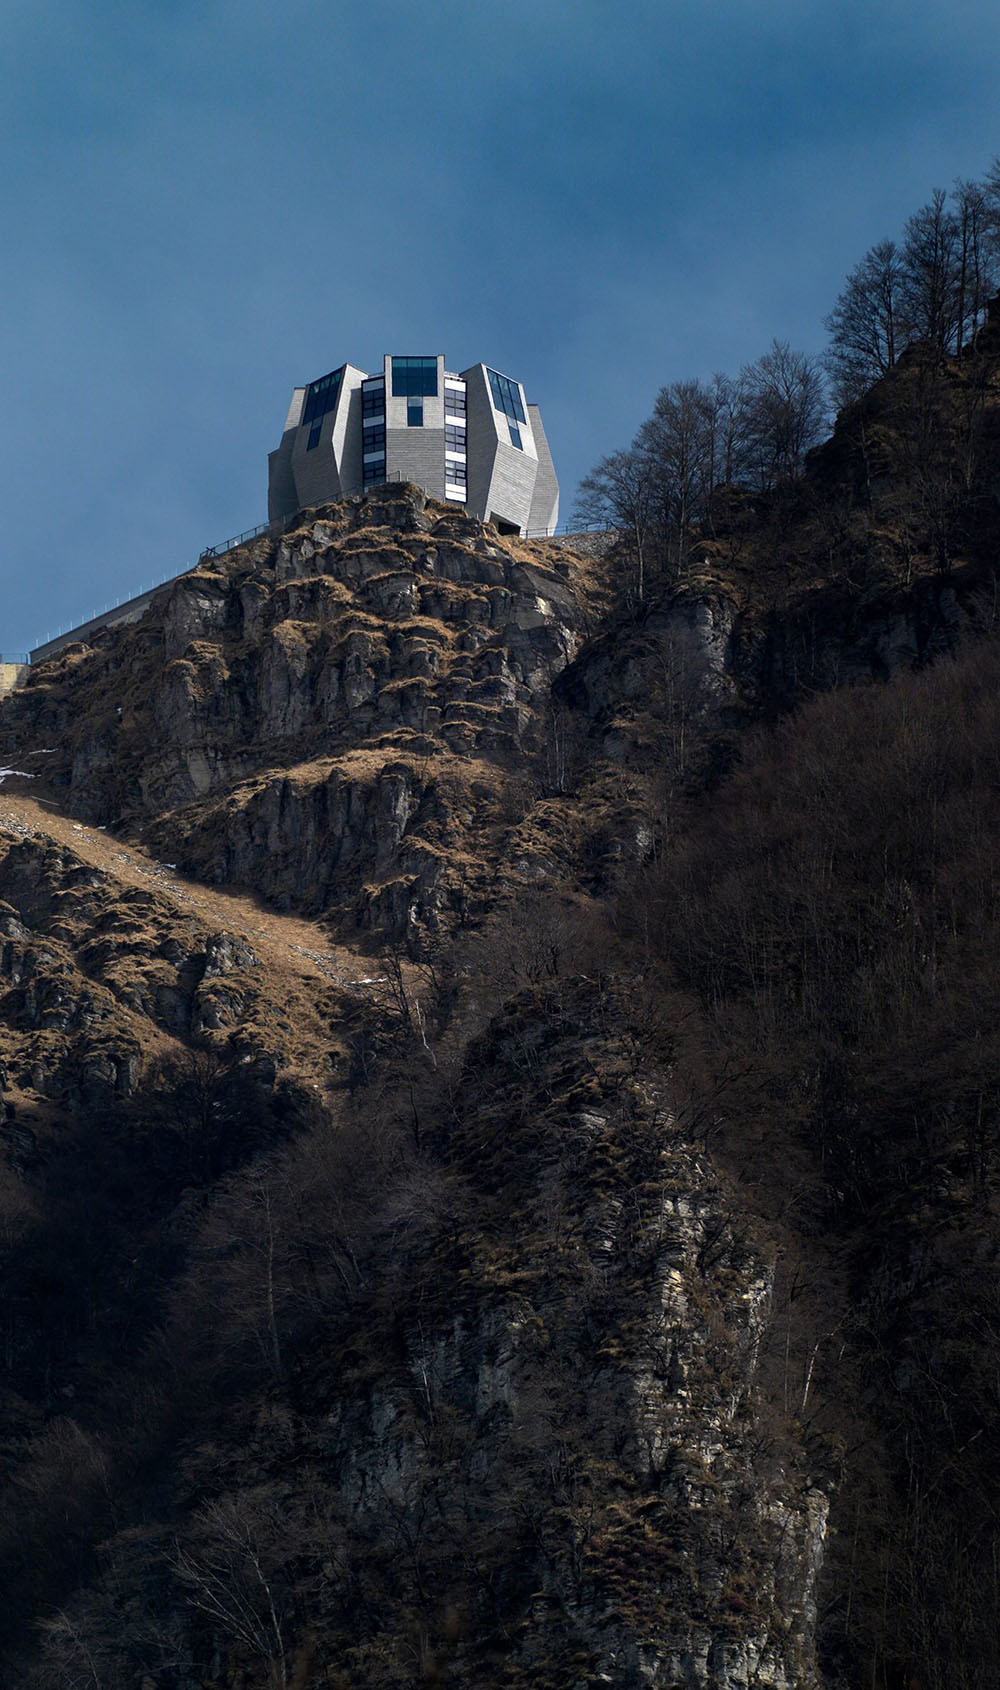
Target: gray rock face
{"points": [[697, 655], [88, 972], [585, 1390], [311, 713]]}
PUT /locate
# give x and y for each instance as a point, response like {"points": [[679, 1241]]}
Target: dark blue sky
{"points": [[207, 203]]}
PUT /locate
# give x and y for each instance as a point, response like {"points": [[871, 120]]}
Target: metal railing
{"points": [[566, 530], [96, 615], [154, 586], [277, 527]]}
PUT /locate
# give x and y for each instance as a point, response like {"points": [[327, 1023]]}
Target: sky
{"points": [[208, 202]]}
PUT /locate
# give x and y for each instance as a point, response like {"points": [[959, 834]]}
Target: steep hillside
{"points": [[464, 1214], [881, 556], [344, 721]]}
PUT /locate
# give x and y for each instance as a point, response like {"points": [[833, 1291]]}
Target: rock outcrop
{"points": [[333, 719], [573, 1396]]}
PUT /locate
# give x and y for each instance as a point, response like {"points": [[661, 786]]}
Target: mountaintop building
{"points": [[471, 439]]}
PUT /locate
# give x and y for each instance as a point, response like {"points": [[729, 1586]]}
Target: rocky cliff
{"points": [[504, 1423], [402, 1285], [342, 720]]}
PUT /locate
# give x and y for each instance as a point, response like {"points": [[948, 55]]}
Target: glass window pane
{"points": [[414, 376], [506, 396], [321, 396]]}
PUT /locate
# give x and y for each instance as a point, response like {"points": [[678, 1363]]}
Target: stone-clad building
{"points": [[470, 438]]}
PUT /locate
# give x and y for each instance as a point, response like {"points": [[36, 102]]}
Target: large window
{"points": [[372, 398], [414, 377], [515, 435], [454, 438], [506, 396], [373, 440], [454, 472], [321, 397], [454, 402], [414, 413]]}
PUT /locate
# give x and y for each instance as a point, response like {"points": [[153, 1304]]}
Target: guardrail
{"points": [[566, 530], [230, 545], [96, 615]]}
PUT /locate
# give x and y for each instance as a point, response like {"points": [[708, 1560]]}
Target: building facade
{"points": [[469, 439]]}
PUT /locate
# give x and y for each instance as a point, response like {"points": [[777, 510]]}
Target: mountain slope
{"points": [[447, 1234]]}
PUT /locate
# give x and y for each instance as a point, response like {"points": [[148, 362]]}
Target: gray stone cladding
{"points": [[544, 513], [482, 430], [513, 486], [416, 454]]}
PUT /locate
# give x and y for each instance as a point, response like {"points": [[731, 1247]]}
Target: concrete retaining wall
{"points": [[11, 674]]}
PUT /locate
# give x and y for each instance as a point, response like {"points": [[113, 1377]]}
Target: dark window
{"points": [[414, 413], [321, 397], [506, 396], [454, 438], [372, 399], [374, 470], [414, 378], [515, 435], [454, 403], [373, 440]]}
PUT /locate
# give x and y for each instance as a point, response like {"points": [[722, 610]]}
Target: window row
{"points": [[454, 437], [373, 439], [375, 470], [455, 473], [372, 400], [506, 396], [454, 403]]}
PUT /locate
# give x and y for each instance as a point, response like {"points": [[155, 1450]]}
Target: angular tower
{"points": [[471, 439]]}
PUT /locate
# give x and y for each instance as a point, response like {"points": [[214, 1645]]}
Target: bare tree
{"points": [[122, 1631], [70, 1655], [677, 443], [991, 200], [619, 492], [978, 272], [782, 410], [234, 1564], [934, 288], [722, 427], [865, 325], [931, 274]]}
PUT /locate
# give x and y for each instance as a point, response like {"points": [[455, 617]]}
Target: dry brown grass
{"points": [[296, 997]]}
